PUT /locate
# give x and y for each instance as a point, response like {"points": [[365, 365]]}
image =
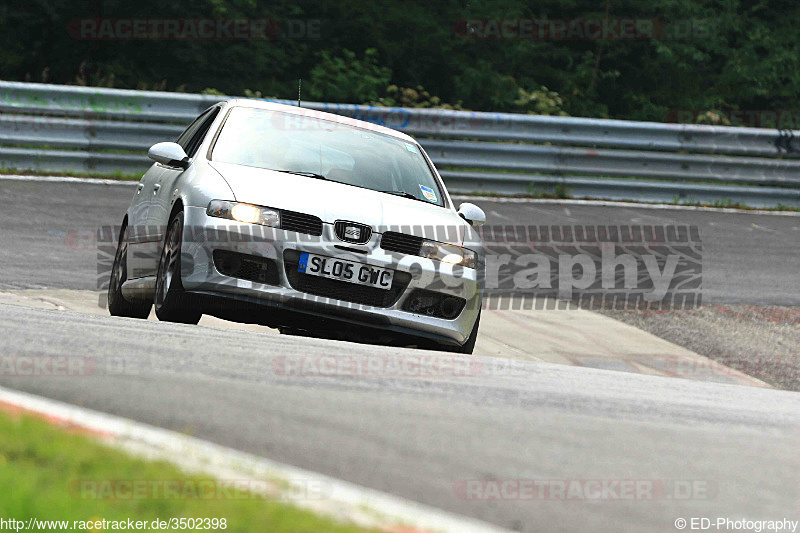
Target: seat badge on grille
{"points": [[352, 232]]}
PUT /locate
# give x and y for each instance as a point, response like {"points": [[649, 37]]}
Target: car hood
{"points": [[333, 201]]}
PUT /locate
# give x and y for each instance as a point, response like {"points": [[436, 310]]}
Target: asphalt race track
{"points": [[747, 258], [424, 438]]}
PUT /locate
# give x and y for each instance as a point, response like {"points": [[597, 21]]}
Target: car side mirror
{"points": [[170, 154], [472, 214]]}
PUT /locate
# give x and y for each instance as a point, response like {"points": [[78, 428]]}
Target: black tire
{"points": [[172, 303], [117, 304], [469, 346]]}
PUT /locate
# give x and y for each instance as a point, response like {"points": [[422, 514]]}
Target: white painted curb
{"points": [[346, 501]]}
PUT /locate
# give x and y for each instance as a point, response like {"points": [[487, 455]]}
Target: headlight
{"points": [[251, 214], [449, 253]]}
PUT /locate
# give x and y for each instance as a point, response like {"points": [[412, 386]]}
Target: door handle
{"points": [[139, 188], [156, 187]]}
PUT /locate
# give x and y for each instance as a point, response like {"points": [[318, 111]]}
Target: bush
{"points": [[407, 97], [539, 101], [345, 78]]}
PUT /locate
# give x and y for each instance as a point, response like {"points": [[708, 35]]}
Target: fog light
{"points": [[450, 307]]}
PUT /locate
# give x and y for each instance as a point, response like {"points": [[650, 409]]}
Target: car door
{"points": [[163, 187], [141, 236]]}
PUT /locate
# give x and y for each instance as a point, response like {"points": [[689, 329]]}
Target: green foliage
{"points": [[247, 93], [252, 94], [42, 470], [714, 118], [539, 101], [345, 78], [407, 97], [704, 55]]}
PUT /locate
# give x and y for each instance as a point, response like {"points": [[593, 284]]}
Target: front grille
{"points": [[301, 223], [400, 242], [244, 266], [342, 290], [363, 231], [435, 304]]}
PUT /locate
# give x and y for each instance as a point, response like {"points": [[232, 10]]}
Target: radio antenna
{"points": [[299, 85]]}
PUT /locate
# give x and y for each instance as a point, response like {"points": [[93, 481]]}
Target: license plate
{"points": [[343, 270]]}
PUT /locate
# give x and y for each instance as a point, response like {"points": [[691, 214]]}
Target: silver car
{"points": [[309, 222]]}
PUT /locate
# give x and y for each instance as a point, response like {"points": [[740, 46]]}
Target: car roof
{"points": [[304, 111]]}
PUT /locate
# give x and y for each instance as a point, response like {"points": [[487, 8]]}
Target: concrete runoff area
{"points": [[569, 336]]}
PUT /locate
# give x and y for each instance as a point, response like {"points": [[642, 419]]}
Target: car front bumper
{"points": [[279, 290]]}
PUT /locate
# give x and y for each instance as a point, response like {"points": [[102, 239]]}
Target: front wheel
{"points": [[173, 304], [117, 304]]}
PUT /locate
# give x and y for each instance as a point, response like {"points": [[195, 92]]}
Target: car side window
{"points": [[189, 132], [191, 136], [200, 133]]}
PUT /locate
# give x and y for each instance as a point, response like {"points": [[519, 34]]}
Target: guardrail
{"points": [[95, 130]]}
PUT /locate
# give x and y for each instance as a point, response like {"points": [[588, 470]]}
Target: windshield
{"points": [[307, 144]]}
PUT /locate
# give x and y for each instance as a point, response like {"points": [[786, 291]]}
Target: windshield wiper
{"points": [[404, 194], [302, 173]]}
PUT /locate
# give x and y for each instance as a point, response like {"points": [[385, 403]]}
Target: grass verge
{"points": [[43, 469], [112, 176]]}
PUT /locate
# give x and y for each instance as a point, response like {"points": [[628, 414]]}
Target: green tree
{"points": [[345, 78]]}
